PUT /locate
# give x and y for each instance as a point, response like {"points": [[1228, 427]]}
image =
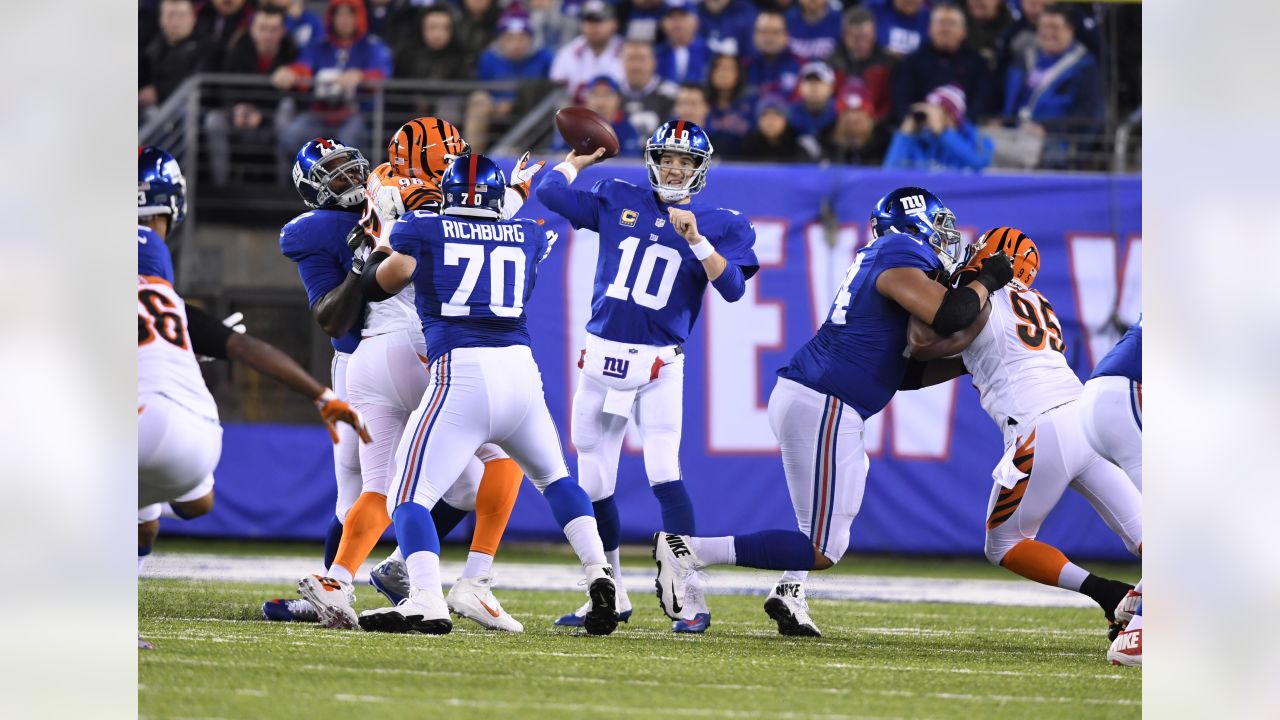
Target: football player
{"points": [[473, 273], [1113, 425], [387, 380], [845, 374], [1014, 353], [179, 437], [658, 252]]}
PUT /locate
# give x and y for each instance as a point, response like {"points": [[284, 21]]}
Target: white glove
{"points": [[389, 204], [522, 175]]}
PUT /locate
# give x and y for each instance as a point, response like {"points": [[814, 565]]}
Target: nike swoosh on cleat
{"points": [[675, 602], [490, 610]]}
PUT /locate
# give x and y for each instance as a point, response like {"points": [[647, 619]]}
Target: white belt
{"points": [[624, 368]]}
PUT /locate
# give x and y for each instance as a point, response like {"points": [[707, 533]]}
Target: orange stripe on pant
{"points": [[499, 487]]}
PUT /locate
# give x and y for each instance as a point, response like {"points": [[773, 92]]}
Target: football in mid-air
{"points": [[586, 131]]}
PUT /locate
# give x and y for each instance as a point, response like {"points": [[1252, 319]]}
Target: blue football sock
{"points": [[774, 550], [567, 500], [446, 518], [608, 523], [677, 508], [332, 536], [415, 530]]}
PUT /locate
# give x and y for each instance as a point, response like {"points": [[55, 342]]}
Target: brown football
{"points": [[586, 131]]}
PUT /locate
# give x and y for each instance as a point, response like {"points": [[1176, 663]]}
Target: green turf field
{"points": [[215, 658]]}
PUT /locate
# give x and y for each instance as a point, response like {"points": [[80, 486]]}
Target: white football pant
{"points": [[824, 460], [1061, 457], [346, 454], [598, 435], [476, 396], [177, 449], [1113, 422]]}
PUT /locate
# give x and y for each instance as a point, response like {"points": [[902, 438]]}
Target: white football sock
{"points": [[478, 565], [341, 574], [1072, 576], [142, 559], [396, 555], [584, 537], [615, 559], [1138, 588], [424, 572], [714, 550], [794, 576]]}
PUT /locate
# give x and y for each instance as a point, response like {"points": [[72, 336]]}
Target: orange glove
{"points": [[334, 410], [522, 175]]}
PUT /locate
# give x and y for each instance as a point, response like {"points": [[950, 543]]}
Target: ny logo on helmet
{"points": [[913, 204]]}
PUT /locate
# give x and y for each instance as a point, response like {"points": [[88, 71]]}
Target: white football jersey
{"points": [[1016, 361], [166, 363], [386, 195]]}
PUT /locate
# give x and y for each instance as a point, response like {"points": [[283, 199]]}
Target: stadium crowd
{"points": [[897, 83]]}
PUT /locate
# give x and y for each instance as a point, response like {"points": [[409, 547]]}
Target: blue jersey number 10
{"points": [[474, 258], [639, 290]]}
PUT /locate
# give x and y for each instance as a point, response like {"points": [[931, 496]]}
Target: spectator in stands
{"points": [[264, 51], [477, 27], [901, 25], [684, 56], [555, 22], [814, 26], [855, 138], [727, 25], [512, 57], [936, 135], [641, 20], [301, 23], [860, 56], [770, 67], [602, 95], [646, 97], [220, 23], [334, 67], [1019, 36], [773, 139], [944, 60], [173, 56], [986, 21], [815, 110], [437, 53], [596, 51], [692, 104], [1056, 87], [731, 111]]}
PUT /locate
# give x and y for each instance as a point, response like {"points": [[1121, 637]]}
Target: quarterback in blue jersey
{"points": [[472, 274], [1113, 426], [659, 250], [845, 374]]}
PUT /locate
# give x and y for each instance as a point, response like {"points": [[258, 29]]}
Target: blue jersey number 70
{"points": [[472, 257]]}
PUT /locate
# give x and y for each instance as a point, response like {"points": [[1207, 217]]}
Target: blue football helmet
{"points": [[329, 174], [679, 136], [916, 211], [474, 186], [162, 190]]}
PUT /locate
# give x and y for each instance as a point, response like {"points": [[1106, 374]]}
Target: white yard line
{"points": [[286, 571]]}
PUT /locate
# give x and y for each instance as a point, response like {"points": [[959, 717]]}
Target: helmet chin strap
{"points": [[670, 195]]}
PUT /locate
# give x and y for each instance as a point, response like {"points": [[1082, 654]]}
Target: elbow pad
{"points": [[208, 336], [731, 284], [959, 308], [369, 287]]}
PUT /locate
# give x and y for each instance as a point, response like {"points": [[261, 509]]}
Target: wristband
{"points": [[568, 170], [703, 249], [323, 398]]}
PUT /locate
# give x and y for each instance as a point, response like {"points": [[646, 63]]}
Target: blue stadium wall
{"points": [[931, 451]]}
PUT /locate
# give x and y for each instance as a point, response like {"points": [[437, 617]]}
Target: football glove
{"points": [[360, 257], [334, 410], [522, 175]]}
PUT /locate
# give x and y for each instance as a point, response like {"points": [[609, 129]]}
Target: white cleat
{"points": [[332, 600], [1127, 606], [788, 607], [1126, 649], [602, 617], [472, 598], [676, 562], [423, 611]]}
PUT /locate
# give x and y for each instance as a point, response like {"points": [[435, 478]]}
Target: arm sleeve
{"points": [[731, 284], [208, 336], [580, 208]]}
